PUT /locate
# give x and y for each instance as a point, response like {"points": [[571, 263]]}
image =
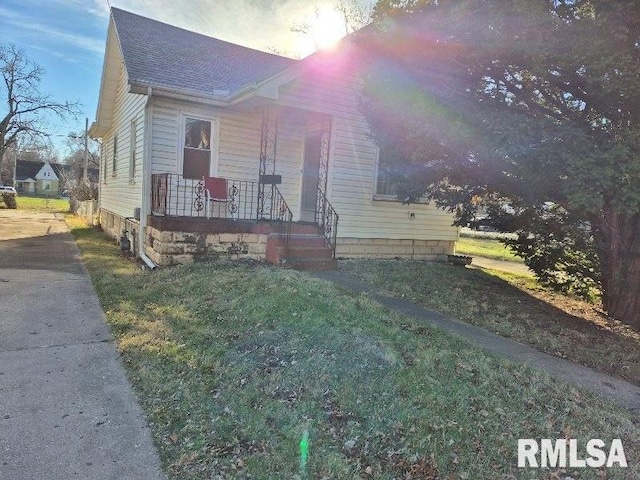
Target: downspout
{"points": [[146, 177]]}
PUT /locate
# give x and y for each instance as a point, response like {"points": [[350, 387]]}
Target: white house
{"points": [[37, 177], [211, 148]]}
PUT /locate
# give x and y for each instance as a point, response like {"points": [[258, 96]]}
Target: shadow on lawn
{"points": [[553, 323]]}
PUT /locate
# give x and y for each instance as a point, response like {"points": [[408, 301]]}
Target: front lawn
{"points": [[40, 203], [486, 247], [513, 306], [236, 364]]}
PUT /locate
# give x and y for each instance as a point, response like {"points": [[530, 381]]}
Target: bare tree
{"points": [[281, 52], [354, 14], [75, 145], [23, 114], [305, 28], [38, 150]]}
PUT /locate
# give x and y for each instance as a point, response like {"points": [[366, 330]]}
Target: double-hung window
{"points": [[133, 140], [114, 158], [196, 160], [386, 177]]}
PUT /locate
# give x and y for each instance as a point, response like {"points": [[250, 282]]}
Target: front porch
{"points": [[240, 219]]}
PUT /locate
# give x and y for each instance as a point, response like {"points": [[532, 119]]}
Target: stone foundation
{"points": [[171, 241], [171, 248], [434, 250], [113, 225]]}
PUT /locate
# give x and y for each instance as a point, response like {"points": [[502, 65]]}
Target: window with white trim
{"points": [[196, 159], [105, 161], [132, 151], [114, 161], [385, 175]]}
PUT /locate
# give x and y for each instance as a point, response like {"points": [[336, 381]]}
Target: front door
{"points": [[310, 176]]}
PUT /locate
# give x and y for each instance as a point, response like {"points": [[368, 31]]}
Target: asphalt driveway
{"points": [[66, 407]]}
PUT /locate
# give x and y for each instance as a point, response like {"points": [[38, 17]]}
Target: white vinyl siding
{"points": [[238, 147], [120, 193], [353, 166]]}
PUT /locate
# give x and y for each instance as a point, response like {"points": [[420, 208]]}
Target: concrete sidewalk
{"points": [[624, 393], [66, 407], [504, 266]]}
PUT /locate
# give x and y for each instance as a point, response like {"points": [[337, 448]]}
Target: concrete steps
{"points": [[307, 251]]}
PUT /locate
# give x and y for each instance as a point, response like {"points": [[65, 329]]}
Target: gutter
{"points": [[143, 88], [146, 176]]}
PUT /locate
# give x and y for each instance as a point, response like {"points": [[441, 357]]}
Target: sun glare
{"points": [[327, 28]]}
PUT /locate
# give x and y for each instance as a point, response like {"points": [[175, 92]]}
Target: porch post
{"points": [[268, 144], [323, 171]]}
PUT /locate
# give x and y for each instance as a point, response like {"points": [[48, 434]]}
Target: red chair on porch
{"points": [[215, 190]]}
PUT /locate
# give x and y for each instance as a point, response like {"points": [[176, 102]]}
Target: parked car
{"points": [[8, 196]]}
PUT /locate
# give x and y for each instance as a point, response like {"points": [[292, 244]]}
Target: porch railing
{"points": [[174, 195], [159, 187], [326, 218], [282, 215]]}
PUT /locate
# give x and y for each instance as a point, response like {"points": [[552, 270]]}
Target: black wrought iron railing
{"points": [[327, 219], [282, 215], [174, 195], [159, 187]]}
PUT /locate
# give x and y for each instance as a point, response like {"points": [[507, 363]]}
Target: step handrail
{"points": [[283, 217], [326, 218]]}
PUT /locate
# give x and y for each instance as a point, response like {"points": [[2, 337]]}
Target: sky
{"points": [[67, 37]]}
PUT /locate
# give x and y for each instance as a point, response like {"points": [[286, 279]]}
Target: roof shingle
{"points": [[159, 54]]}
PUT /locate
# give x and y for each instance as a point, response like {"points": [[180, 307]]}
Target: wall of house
{"points": [[113, 225], [27, 187], [436, 250], [236, 149], [47, 187], [334, 89], [120, 194]]}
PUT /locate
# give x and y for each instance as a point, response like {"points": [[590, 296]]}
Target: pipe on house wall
{"points": [[146, 166]]}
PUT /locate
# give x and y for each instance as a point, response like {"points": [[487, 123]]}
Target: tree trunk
{"points": [[4, 167], [617, 238]]}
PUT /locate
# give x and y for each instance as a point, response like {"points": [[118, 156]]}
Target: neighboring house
{"points": [[212, 148], [39, 178], [45, 178]]}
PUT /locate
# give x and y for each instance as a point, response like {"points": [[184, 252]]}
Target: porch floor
{"points": [[225, 225], [306, 250]]}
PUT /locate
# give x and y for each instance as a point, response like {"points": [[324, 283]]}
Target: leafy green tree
{"points": [[529, 109]]}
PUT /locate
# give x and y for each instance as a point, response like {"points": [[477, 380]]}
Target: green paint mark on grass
{"points": [[304, 453]]}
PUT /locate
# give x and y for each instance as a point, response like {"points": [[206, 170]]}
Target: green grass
{"points": [[488, 248], [232, 363], [41, 203], [513, 306]]}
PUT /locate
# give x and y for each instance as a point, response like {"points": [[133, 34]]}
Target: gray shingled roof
{"points": [[27, 169], [159, 54]]}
